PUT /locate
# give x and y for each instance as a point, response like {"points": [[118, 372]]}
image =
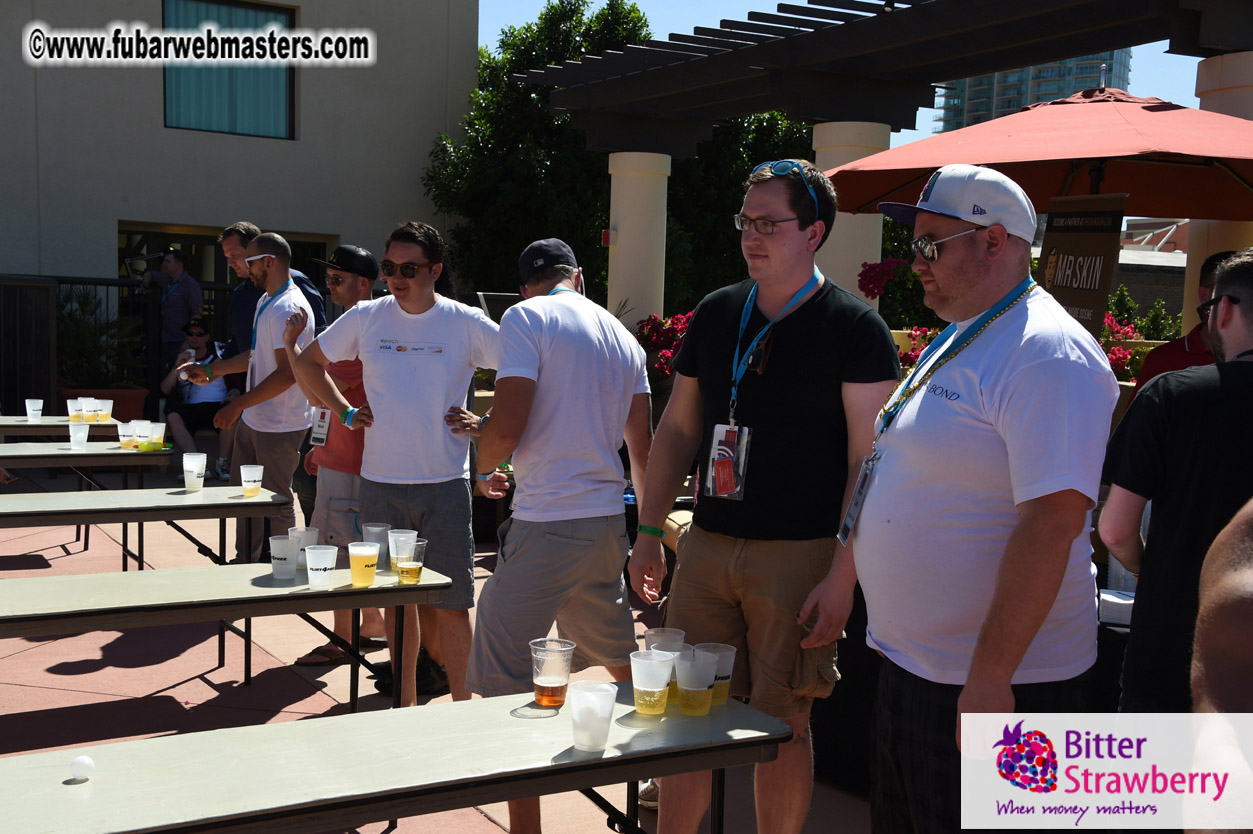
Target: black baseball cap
{"points": [[543, 254], [201, 322], [352, 259]]}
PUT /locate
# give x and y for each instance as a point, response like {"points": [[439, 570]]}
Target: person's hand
{"points": [[363, 419], [461, 421], [496, 485], [227, 415], [647, 567], [196, 374], [832, 605], [983, 696], [296, 323]]}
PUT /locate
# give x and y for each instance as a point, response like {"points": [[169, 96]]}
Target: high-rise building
{"points": [[970, 101]]}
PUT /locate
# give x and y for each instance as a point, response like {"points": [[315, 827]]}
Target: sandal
{"points": [[8, 478], [323, 656], [372, 643]]}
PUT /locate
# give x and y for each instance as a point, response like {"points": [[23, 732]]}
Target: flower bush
{"points": [[661, 339], [1125, 361], [919, 338], [873, 278]]}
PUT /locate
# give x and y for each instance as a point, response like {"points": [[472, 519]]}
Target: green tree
{"points": [[521, 173], [1122, 306], [1159, 325]]}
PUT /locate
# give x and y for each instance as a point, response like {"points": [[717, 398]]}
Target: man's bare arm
{"points": [[638, 435], [511, 411], [1120, 526]]}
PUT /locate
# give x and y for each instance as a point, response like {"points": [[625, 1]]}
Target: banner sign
{"points": [[1080, 253]]}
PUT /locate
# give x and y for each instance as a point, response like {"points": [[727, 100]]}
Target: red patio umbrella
{"points": [[1174, 161]]}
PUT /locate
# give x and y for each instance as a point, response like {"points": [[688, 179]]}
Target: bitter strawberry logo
{"points": [[1028, 760]]}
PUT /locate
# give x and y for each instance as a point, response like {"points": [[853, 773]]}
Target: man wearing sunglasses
{"points": [[972, 544], [418, 352], [189, 407], [761, 554], [273, 414], [1185, 444]]}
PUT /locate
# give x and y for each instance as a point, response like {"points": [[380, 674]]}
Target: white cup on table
{"points": [[193, 470], [34, 411]]}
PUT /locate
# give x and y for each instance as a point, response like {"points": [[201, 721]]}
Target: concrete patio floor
{"points": [[64, 692]]}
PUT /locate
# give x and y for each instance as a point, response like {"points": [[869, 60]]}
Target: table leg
{"points": [[398, 652], [715, 800], [221, 644], [221, 560], [354, 675], [247, 651], [140, 540]]}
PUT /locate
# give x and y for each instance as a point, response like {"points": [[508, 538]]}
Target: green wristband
{"points": [[343, 416], [652, 531], [208, 372]]}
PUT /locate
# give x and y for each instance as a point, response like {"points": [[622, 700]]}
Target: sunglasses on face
{"points": [[408, 270], [929, 250], [256, 258], [1208, 307], [198, 334]]}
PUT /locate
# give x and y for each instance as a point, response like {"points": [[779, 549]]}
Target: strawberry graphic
{"points": [[1028, 760]]}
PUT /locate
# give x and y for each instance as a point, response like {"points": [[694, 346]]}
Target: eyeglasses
{"points": [[196, 334], [1206, 308], [335, 280], [784, 167], [256, 258], [760, 224], [929, 250], [389, 268]]}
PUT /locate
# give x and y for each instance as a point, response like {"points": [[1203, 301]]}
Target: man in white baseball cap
{"points": [[972, 543]]}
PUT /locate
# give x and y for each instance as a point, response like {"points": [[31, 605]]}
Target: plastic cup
{"points": [[157, 433], [193, 470], [78, 436], [363, 558], [650, 678], [696, 671], [74, 408], [106, 410], [34, 411], [550, 669], [663, 635], [143, 435], [400, 544], [591, 712], [126, 435], [722, 676], [91, 409], [410, 570], [283, 556], [308, 536], [674, 648], [251, 475], [320, 564]]}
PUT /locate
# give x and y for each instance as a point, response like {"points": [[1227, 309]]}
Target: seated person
{"points": [[191, 407]]}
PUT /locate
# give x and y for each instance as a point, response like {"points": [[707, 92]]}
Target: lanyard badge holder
{"points": [[728, 452]]}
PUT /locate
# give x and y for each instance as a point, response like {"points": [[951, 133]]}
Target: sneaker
{"points": [[650, 794], [432, 679], [224, 469]]}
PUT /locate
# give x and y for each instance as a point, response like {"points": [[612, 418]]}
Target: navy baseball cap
{"points": [[543, 254]]}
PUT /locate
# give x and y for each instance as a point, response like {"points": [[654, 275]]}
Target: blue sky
{"points": [[1153, 72]]}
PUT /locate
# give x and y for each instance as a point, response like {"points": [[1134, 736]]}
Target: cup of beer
{"points": [[410, 570], [91, 409], [78, 436], [143, 434], [650, 678], [74, 408], [722, 676], [126, 435], [673, 648], [591, 712], [250, 476], [663, 635], [307, 536], [283, 556], [105, 408], [193, 470], [320, 564], [363, 558], [696, 670], [400, 543], [157, 435], [377, 532], [550, 669], [34, 411]]}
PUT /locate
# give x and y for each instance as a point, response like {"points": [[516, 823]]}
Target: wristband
{"points": [[346, 416], [483, 477], [652, 531], [208, 372]]}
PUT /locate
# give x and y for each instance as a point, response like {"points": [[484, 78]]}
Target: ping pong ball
{"points": [[82, 767]]}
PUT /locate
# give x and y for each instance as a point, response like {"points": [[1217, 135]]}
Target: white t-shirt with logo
{"points": [[414, 368], [1021, 413], [290, 410], [587, 367]]}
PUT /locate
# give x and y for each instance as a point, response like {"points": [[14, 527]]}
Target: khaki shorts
{"points": [[567, 572], [335, 510], [747, 593]]}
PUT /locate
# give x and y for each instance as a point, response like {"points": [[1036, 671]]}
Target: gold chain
{"points": [[935, 367]]}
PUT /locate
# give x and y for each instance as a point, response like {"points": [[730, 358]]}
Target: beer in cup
{"points": [[726, 665], [363, 559], [650, 678], [250, 476], [550, 669]]}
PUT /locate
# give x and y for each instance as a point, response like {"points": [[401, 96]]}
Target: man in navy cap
{"points": [[571, 386]]}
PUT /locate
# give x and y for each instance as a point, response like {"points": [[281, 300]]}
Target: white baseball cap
{"points": [[978, 195]]}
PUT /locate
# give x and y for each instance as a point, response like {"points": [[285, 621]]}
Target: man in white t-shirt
{"points": [[972, 546], [418, 353], [275, 414], [571, 386]]}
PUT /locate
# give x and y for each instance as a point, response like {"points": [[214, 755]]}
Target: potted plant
{"points": [[96, 353], [661, 338]]}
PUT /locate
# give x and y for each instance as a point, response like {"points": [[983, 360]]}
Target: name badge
{"points": [[728, 461], [321, 426], [859, 498]]}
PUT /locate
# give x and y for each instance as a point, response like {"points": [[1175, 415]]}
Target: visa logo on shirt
{"points": [[412, 348]]}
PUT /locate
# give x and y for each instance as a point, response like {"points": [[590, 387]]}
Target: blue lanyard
{"points": [[953, 348], [738, 365], [556, 290], [260, 312], [169, 289]]}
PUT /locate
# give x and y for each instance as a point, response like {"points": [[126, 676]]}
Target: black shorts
{"points": [[197, 416]]}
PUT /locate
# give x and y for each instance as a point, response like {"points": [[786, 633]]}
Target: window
{"points": [[252, 101]]}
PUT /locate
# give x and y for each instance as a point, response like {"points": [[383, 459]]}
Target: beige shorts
{"points": [[747, 593], [335, 510]]}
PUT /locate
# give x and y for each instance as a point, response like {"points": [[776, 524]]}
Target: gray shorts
{"points": [[441, 515], [568, 572], [335, 510]]}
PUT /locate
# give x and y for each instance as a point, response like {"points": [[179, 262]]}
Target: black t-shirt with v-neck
{"points": [[790, 399]]}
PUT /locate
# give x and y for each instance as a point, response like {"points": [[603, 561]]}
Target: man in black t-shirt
{"points": [[1185, 444], [773, 479]]}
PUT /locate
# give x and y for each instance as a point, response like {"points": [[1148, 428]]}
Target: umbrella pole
{"points": [[1096, 174]]}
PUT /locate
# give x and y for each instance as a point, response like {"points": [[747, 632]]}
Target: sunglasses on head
{"points": [[408, 270], [786, 166]]}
